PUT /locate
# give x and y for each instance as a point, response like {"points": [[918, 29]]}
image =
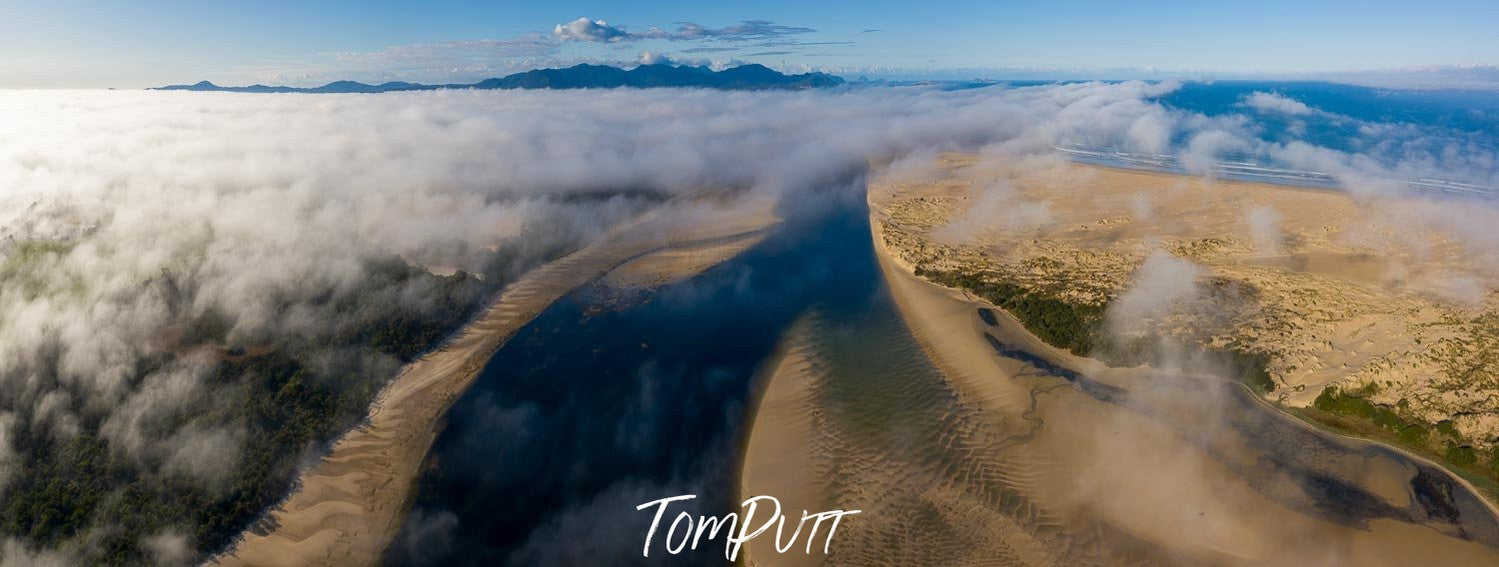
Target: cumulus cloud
{"points": [[1272, 102], [584, 29], [653, 58], [599, 31]]}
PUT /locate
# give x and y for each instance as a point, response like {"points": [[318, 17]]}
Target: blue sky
{"points": [[124, 43]]}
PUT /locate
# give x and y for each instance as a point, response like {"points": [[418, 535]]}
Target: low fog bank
{"points": [[165, 256]]}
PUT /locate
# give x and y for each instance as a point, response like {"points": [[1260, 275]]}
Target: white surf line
{"points": [[1252, 171]]}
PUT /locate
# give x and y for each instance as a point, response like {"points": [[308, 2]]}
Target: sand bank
{"points": [[1135, 463], [678, 263], [347, 507], [779, 459], [863, 422]]}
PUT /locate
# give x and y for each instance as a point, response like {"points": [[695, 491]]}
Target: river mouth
{"points": [[615, 397], [612, 398]]}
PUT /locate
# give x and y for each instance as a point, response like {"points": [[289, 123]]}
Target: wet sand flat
{"points": [[778, 457]]}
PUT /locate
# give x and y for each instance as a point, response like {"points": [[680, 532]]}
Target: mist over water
{"points": [[612, 398]]}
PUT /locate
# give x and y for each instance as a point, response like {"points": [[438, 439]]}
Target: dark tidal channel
{"points": [[608, 400]]}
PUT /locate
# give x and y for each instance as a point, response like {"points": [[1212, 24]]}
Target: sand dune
{"points": [[1347, 292], [348, 506], [1149, 467]]}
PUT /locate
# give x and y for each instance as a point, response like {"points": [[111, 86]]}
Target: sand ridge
{"points": [[666, 266], [348, 506]]}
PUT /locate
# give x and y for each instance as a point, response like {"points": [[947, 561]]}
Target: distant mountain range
{"points": [[744, 77]]}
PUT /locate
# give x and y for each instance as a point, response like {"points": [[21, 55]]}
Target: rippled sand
{"points": [[967, 441], [348, 506], [855, 416]]}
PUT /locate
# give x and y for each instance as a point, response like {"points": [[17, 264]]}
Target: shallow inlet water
{"points": [[613, 398], [610, 399]]}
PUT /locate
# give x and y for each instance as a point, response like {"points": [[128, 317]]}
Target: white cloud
{"points": [[599, 31], [584, 29], [169, 549], [1162, 284], [653, 58], [1205, 148], [14, 553], [1272, 102]]}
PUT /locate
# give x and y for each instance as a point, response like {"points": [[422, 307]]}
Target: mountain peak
{"points": [[581, 76]]}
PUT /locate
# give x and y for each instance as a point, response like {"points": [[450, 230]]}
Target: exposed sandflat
{"points": [[666, 266], [779, 458]]}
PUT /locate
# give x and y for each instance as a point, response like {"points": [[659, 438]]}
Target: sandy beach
{"points": [[348, 506]]}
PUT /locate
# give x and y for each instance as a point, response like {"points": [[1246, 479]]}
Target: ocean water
{"points": [[1435, 142]]}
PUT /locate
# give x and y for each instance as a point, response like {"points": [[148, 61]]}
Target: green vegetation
{"points": [[1350, 411], [1353, 404], [1069, 325], [1078, 328], [289, 396]]}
